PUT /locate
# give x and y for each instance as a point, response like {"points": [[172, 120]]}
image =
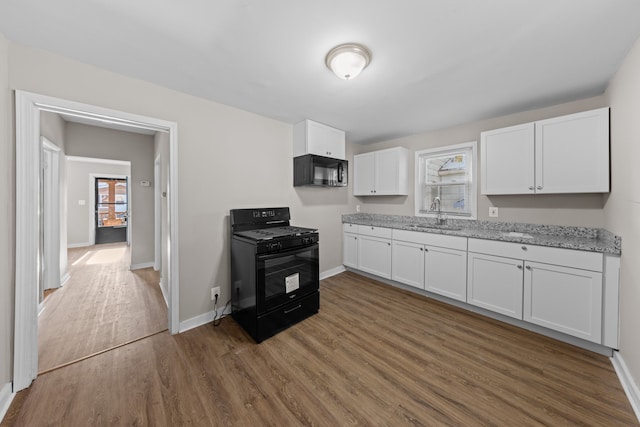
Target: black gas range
{"points": [[274, 271]]}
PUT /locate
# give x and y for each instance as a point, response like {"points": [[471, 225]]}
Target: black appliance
{"points": [[319, 171], [275, 275]]}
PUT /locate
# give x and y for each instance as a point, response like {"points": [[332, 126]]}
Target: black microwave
{"points": [[319, 171]]}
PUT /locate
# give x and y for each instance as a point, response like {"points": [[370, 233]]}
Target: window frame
{"points": [[473, 188]]}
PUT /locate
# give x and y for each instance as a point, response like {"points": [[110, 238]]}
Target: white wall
{"points": [[7, 220], [228, 158], [103, 143], [622, 209], [80, 187], [52, 127], [579, 210]]}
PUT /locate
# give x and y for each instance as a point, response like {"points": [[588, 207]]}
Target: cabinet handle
{"points": [[373, 228], [531, 188], [388, 244], [524, 248], [421, 249], [539, 187], [519, 267], [426, 250], [528, 267]]}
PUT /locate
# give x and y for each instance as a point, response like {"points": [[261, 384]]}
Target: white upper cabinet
{"points": [[568, 154], [311, 137], [507, 160], [381, 173]]}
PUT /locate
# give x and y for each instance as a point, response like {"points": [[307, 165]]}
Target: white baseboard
{"points": [[141, 265], [78, 245], [332, 272], [203, 319], [627, 381], [6, 397]]}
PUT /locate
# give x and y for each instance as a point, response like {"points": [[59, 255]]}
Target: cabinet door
{"points": [[564, 299], [363, 172], [445, 272], [374, 256], [408, 263], [507, 159], [572, 153], [495, 283], [391, 172], [350, 250], [325, 141]]}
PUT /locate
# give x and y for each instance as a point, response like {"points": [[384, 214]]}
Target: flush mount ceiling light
{"points": [[348, 60]]}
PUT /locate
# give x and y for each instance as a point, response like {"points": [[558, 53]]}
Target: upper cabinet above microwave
{"points": [[311, 137], [568, 154]]}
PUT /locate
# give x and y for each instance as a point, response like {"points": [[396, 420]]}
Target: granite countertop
{"points": [[579, 238]]}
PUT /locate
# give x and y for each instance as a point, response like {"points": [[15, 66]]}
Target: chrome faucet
{"points": [[440, 220]]}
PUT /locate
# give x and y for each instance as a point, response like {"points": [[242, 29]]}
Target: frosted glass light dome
{"points": [[348, 60]]}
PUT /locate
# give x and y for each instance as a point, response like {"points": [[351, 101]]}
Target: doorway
{"points": [[28, 188], [111, 210]]}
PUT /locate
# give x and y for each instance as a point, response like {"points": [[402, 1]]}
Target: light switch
{"points": [[493, 211], [82, 202]]}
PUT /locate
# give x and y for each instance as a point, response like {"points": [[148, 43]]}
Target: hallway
{"points": [[103, 305]]}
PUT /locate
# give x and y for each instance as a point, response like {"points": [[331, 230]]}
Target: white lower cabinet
{"points": [[408, 263], [350, 250], [495, 283], [374, 250], [558, 289], [564, 299], [445, 272]]}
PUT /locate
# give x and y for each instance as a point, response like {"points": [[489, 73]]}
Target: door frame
{"points": [[28, 153], [51, 212]]}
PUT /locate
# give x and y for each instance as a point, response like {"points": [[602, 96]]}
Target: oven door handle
{"points": [[287, 252]]}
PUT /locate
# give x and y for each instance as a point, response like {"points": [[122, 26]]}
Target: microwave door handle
{"points": [[340, 172]]}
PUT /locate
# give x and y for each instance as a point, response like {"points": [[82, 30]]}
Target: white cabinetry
{"points": [[568, 154], [374, 250], [434, 262], [565, 299], [350, 245], [560, 289], [495, 283], [311, 137], [408, 263], [381, 173]]}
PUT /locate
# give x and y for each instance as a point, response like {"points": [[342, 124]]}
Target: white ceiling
{"points": [[436, 63]]}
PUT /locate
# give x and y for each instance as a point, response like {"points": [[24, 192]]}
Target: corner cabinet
{"points": [[568, 154], [311, 137], [381, 173]]}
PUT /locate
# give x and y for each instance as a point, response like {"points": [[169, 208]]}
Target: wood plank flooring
{"points": [[373, 356], [102, 305]]}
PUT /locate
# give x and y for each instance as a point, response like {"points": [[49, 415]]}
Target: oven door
{"points": [[282, 277]]}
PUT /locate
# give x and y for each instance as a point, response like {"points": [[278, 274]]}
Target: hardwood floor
{"points": [[102, 305], [374, 355]]}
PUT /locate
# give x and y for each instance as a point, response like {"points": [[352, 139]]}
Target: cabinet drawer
{"points": [[431, 239], [558, 256], [349, 228], [369, 230]]}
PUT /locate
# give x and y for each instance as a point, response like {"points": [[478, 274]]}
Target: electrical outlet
{"points": [[215, 291], [493, 211], [357, 208]]}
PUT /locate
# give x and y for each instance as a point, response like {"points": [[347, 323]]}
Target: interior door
{"points": [[112, 209]]}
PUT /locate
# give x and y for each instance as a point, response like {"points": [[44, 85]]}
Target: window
{"points": [[445, 177]]}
